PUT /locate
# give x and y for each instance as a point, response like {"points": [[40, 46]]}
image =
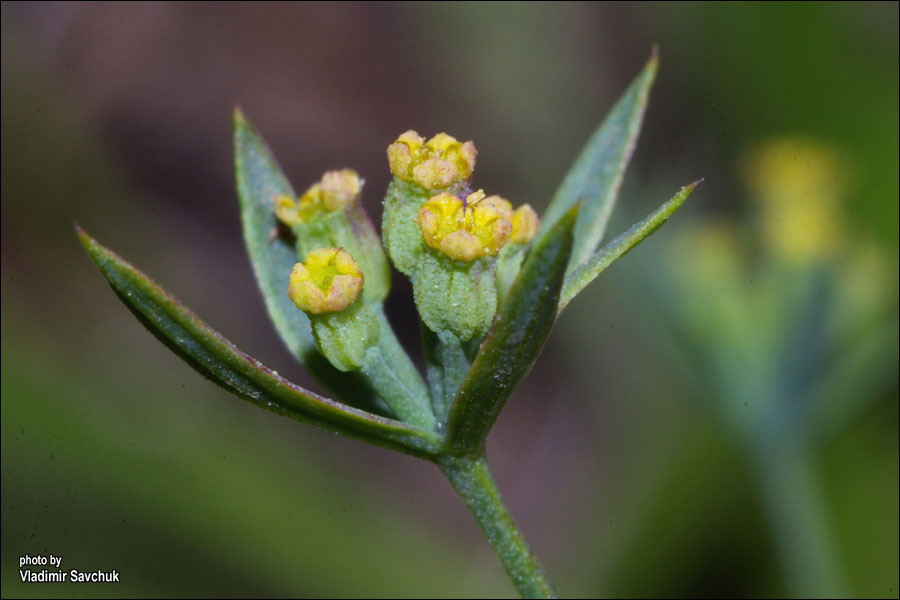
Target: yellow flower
{"points": [[435, 164], [329, 280], [336, 190], [797, 183], [465, 230], [525, 224]]}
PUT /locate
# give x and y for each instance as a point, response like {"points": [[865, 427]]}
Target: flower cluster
{"points": [[476, 227], [435, 238], [329, 280], [336, 190], [435, 164]]}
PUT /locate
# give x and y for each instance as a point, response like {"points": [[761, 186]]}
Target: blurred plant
{"points": [[788, 332], [487, 284]]}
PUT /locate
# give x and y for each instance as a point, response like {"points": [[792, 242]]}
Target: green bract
{"points": [[345, 337], [402, 237], [486, 304], [455, 296]]}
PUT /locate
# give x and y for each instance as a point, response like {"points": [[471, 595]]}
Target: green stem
{"points": [[470, 477], [408, 406], [793, 501], [395, 378], [447, 367], [398, 359], [434, 370]]}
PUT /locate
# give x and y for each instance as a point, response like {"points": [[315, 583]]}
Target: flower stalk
{"points": [[471, 478]]}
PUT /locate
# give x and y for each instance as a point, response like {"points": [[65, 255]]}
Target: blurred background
{"points": [[716, 415]]}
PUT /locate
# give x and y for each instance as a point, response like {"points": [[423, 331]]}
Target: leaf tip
{"points": [[572, 213], [242, 124], [692, 185], [238, 115], [239, 120], [565, 226], [653, 61], [85, 238]]}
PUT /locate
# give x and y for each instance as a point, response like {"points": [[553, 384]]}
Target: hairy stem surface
{"points": [[472, 480]]}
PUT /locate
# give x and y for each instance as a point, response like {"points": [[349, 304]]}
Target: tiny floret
{"points": [[336, 190], [329, 280], [501, 205], [465, 230], [435, 164], [525, 224], [339, 188]]}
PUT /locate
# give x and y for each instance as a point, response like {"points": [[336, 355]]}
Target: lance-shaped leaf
{"points": [[596, 176], [587, 271], [259, 181], [512, 345], [219, 360]]}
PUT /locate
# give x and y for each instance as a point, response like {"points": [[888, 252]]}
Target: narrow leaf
{"points": [[219, 360], [596, 176], [587, 271], [512, 345], [259, 181], [272, 254]]}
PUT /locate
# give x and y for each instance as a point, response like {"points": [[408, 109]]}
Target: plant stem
{"points": [[470, 477], [793, 501], [405, 403], [447, 367], [398, 359], [395, 378]]}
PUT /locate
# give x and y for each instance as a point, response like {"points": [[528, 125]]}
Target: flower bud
{"points": [[465, 230], [336, 190], [339, 188], [330, 215], [525, 224], [327, 286], [419, 167], [435, 164], [329, 280]]}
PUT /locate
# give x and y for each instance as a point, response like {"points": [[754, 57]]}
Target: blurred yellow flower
{"points": [[797, 183]]}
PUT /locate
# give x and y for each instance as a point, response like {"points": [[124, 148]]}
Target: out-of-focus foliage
{"points": [[112, 454], [789, 328]]}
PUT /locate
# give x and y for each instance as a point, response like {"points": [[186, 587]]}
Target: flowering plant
{"points": [[489, 282]]}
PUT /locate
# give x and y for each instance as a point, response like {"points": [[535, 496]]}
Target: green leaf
{"points": [[272, 254], [512, 345], [596, 176], [219, 360], [259, 181], [587, 271]]}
